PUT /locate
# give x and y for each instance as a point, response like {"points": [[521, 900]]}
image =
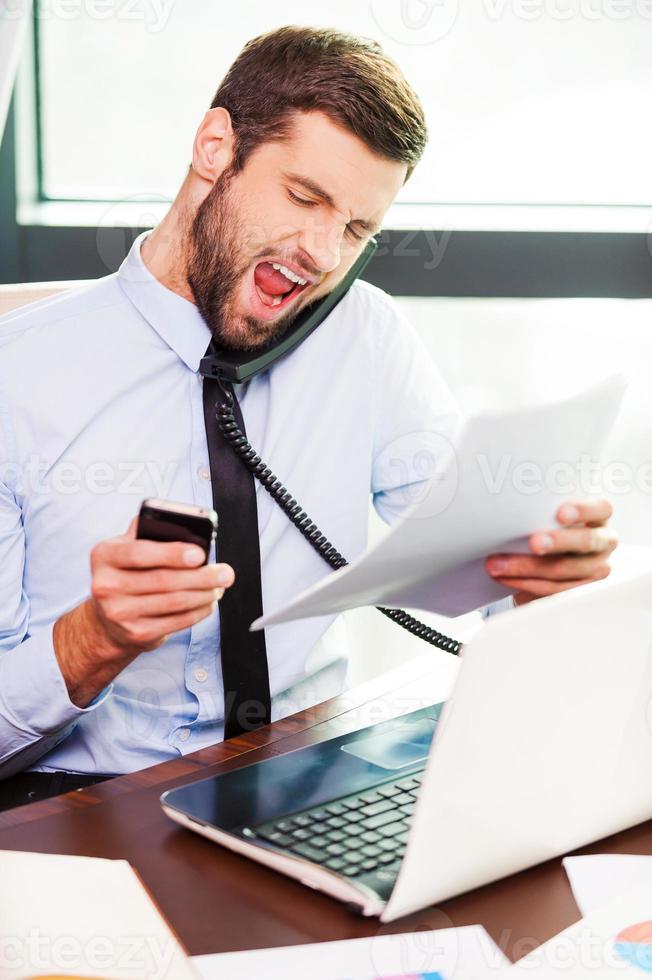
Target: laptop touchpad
{"points": [[403, 746]]}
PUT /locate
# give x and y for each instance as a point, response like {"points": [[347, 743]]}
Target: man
{"points": [[114, 667]]}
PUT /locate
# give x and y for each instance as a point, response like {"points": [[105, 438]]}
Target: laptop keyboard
{"points": [[354, 835]]}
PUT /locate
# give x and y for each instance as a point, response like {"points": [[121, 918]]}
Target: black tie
{"points": [[247, 701]]}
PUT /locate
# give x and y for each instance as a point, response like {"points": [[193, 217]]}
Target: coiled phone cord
{"points": [[237, 439]]}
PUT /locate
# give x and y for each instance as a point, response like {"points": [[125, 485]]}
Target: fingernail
{"points": [[543, 542], [497, 566], [224, 578], [193, 556], [569, 514]]}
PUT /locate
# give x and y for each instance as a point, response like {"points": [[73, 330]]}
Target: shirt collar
{"points": [[176, 320]]}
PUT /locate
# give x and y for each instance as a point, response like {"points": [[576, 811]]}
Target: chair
{"points": [[14, 296]]}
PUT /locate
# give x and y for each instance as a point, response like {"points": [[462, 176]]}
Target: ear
{"points": [[213, 148]]}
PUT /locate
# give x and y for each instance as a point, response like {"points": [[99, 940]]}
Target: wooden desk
{"points": [[218, 901]]}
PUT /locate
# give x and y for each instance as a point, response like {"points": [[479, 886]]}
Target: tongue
{"points": [[271, 281]]}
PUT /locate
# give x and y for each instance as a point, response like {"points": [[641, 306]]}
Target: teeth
{"points": [[292, 276], [277, 301]]}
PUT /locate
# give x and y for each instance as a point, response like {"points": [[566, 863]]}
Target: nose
{"points": [[323, 242]]}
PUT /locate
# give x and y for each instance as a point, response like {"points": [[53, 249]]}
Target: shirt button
{"points": [[204, 473], [201, 674], [184, 734]]}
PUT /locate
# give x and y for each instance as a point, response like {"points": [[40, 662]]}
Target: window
{"points": [[530, 102]]}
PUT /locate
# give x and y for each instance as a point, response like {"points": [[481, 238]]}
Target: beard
{"points": [[218, 259]]}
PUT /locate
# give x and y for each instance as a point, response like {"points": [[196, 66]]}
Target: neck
{"points": [[164, 250]]}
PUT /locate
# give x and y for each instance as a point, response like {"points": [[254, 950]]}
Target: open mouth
{"points": [[277, 285]]}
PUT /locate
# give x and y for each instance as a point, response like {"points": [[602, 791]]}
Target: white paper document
{"points": [[503, 478], [614, 941], [444, 954], [78, 916], [597, 879]]}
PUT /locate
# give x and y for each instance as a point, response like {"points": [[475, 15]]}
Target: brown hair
{"points": [[304, 69]]}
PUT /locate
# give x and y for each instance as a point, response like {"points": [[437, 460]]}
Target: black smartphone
{"points": [[165, 520]]}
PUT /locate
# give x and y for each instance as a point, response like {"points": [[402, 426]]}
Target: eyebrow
{"points": [[317, 191]]}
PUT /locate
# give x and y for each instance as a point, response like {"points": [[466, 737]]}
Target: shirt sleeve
{"points": [[36, 712], [416, 416]]}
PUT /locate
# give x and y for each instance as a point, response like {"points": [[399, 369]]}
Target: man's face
{"points": [[285, 230]]}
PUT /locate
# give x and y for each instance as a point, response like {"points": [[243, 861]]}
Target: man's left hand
{"points": [[574, 554]]}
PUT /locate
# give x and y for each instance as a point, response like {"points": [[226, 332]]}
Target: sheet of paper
{"points": [[614, 941], [504, 479], [444, 954], [597, 879], [79, 916]]}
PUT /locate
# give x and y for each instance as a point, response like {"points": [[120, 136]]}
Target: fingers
{"points": [[109, 580], [125, 608], [137, 554], [563, 569], [537, 588], [125, 552], [591, 512], [583, 531], [577, 540], [172, 624], [147, 634], [574, 540], [574, 554], [142, 591], [570, 541]]}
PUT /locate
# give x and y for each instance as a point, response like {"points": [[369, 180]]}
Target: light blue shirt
{"points": [[100, 407]]}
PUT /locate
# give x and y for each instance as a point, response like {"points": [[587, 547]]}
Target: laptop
{"points": [[544, 745]]}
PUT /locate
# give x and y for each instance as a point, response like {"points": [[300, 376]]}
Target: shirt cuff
{"points": [[494, 608], [33, 693]]}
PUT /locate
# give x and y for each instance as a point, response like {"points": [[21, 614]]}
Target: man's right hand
{"points": [[141, 592]]}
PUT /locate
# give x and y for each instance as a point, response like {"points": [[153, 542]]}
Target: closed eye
{"points": [[304, 202], [301, 201], [354, 234]]}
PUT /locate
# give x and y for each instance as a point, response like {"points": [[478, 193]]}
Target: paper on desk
{"points": [[79, 916], [596, 879], [466, 954], [505, 478], [614, 941]]}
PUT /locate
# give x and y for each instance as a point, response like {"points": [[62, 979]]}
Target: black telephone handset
{"points": [[235, 367], [240, 366]]}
